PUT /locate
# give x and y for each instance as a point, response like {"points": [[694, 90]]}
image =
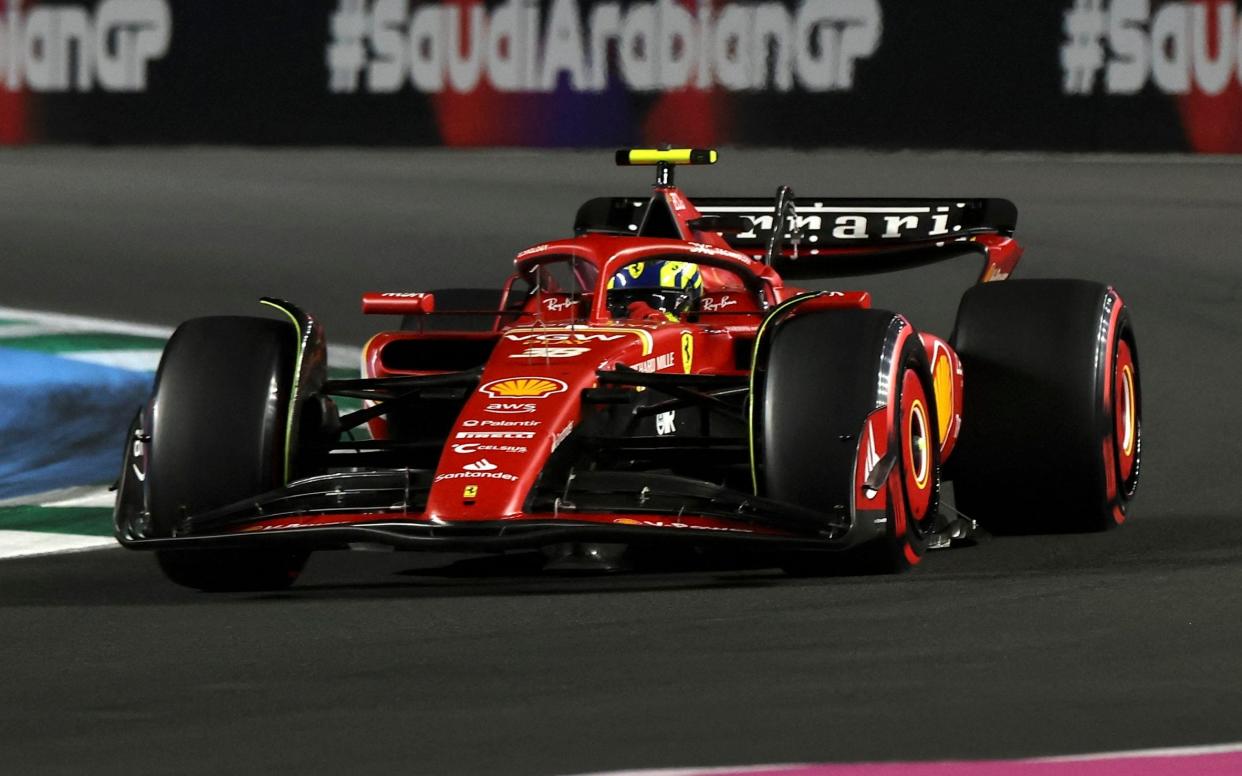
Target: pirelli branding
{"points": [[495, 434]]}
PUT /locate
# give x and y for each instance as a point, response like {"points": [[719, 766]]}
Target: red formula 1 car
{"points": [[652, 379]]}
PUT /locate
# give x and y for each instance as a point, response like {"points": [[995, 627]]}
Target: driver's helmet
{"points": [[671, 287]]}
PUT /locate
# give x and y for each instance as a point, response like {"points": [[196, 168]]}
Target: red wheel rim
{"points": [[918, 439], [1125, 411]]}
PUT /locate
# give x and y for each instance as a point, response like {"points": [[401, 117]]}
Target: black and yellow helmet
{"points": [[671, 287]]}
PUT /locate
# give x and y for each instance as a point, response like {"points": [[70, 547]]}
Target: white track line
{"points": [[1134, 754], [97, 497], [59, 322], [22, 544], [700, 771], [133, 360], [861, 768], [17, 330], [57, 496], [339, 355]]}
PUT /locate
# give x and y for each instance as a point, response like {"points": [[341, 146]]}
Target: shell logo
{"points": [[523, 388]]}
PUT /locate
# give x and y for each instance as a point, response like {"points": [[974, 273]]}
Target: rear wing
{"points": [[868, 223], [850, 236]]}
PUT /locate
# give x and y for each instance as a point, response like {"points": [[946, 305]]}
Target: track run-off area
{"points": [[1018, 648], [67, 384]]}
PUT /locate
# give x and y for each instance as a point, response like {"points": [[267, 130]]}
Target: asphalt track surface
{"points": [[1020, 646]]}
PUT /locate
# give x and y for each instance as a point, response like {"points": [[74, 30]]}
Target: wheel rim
{"points": [[918, 456], [1127, 428]]}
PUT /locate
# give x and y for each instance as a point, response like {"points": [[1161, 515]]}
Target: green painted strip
{"points": [[344, 404], [7, 322], [72, 343], [87, 521]]}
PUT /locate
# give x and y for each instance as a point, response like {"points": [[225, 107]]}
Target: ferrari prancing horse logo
{"points": [[687, 351]]}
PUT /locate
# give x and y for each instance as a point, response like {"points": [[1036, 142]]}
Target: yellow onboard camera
{"points": [[664, 159], [627, 157]]}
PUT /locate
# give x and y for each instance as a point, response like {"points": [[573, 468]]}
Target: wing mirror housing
{"points": [[725, 224], [398, 303]]}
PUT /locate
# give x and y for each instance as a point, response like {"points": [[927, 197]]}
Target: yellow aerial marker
{"points": [[664, 159], [635, 156]]}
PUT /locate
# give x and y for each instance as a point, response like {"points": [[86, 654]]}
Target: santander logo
{"points": [[481, 465]]}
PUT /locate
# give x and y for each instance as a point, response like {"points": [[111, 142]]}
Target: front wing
{"points": [[385, 507]]}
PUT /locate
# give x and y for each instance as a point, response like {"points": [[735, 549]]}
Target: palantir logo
{"points": [[61, 48], [1181, 47]]}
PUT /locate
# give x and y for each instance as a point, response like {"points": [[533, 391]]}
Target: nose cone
{"points": [[527, 403]]}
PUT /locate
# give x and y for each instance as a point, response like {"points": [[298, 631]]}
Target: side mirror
{"points": [[397, 303]]}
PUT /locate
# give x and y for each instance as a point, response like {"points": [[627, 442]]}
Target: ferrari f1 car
{"points": [[652, 379]]}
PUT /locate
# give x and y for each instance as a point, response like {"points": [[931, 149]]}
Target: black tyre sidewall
{"points": [[820, 381], [1035, 417], [218, 415], [217, 424]]}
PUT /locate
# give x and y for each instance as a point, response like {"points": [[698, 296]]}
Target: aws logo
{"points": [[510, 408]]}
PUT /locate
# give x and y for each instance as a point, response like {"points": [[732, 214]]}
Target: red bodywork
{"points": [[551, 349]]}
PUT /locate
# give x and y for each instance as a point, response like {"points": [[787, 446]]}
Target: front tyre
{"points": [[843, 396], [217, 431]]}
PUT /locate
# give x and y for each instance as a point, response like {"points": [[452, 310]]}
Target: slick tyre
{"points": [[829, 377], [217, 428], [1052, 416]]}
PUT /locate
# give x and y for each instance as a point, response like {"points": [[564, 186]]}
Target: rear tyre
{"points": [[824, 374], [1052, 417], [217, 428]]}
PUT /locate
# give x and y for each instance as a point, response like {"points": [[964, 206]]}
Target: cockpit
{"points": [[656, 284]]}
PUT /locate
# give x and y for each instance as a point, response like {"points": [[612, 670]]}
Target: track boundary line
{"points": [[937, 766], [339, 354]]}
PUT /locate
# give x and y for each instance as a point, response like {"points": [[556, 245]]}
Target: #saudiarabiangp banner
{"points": [[1188, 52], [1128, 75]]}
